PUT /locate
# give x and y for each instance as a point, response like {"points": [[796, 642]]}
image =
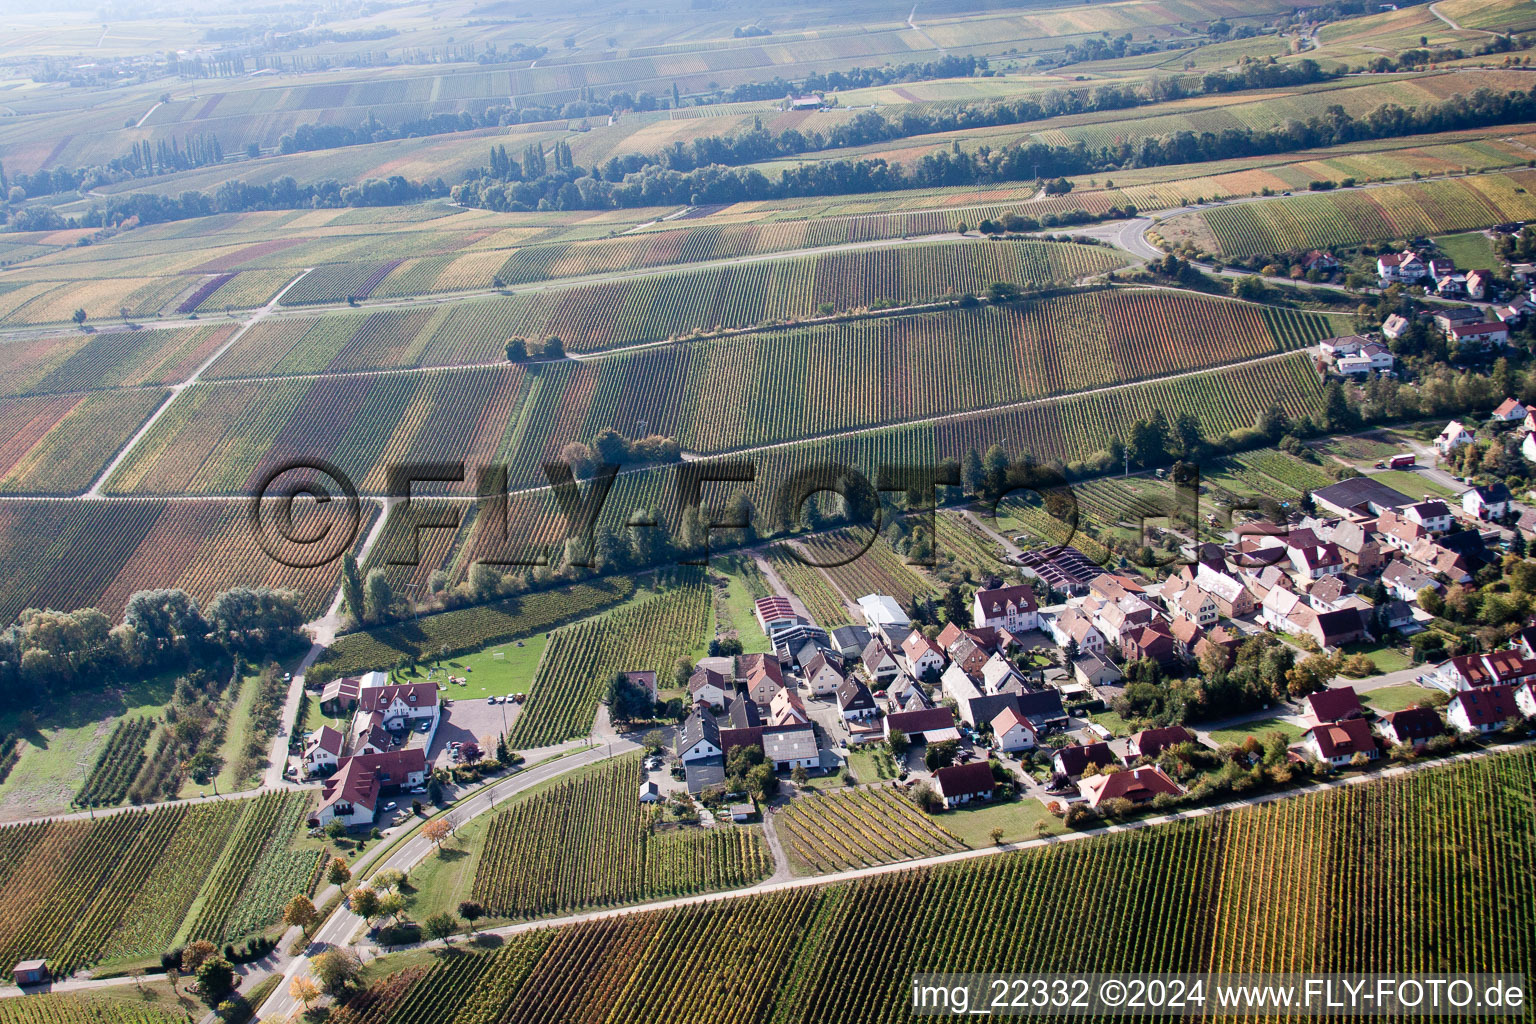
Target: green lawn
{"points": [[49, 772], [1470, 251], [872, 764], [1019, 820], [1412, 484], [738, 603], [1258, 730], [1385, 657], [1112, 721], [492, 672], [1396, 698]]}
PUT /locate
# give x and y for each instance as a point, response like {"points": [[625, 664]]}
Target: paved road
{"points": [[965, 855], [340, 927], [94, 491]]}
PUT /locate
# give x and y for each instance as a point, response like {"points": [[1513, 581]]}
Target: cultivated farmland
{"points": [[588, 842], [120, 887], [1292, 885], [85, 362], [1354, 216], [59, 444], [650, 633], [635, 310], [98, 553], [856, 827]]}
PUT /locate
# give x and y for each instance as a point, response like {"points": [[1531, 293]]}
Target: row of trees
{"points": [[703, 171], [49, 654]]}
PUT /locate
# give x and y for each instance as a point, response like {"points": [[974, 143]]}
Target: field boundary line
{"points": [[94, 491]]}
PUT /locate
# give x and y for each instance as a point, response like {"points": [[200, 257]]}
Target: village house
{"points": [[850, 641], [823, 674], [1510, 411], [1486, 502], [1152, 742], [706, 686], [1395, 326], [352, 794], [339, 697], [1012, 732], [1012, 608], [322, 750], [1483, 335], [922, 655], [1338, 742], [1454, 436], [789, 747], [386, 715], [1404, 581], [1482, 709], [761, 676], [1071, 626], [1400, 268], [930, 725], [1433, 515], [1414, 726], [1073, 760], [1197, 606], [699, 738], [1333, 705], [1095, 670], [855, 701], [1138, 785], [961, 784], [879, 663], [884, 616], [788, 709], [1477, 284], [1358, 547]]}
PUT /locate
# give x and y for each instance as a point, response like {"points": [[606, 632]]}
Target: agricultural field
{"points": [[468, 629], [1354, 216], [1289, 885], [586, 841], [852, 828], [651, 632], [66, 363], [858, 564], [97, 554], [637, 310], [123, 887], [223, 438], [60, 444]]}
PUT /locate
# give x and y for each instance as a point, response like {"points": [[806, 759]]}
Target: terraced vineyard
{"points": [[857, 827], [223, 438], [1293, 885], [634, 310], [769, 388], [691, 245], [573, 674], [99, 553], [58, 445], [1355, 216], [588, 842], [64, 363], [119, 887]]}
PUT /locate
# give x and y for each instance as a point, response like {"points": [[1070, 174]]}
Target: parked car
{"points": [[490, 700], [390, 806], [426, 726], [417, 790]]}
